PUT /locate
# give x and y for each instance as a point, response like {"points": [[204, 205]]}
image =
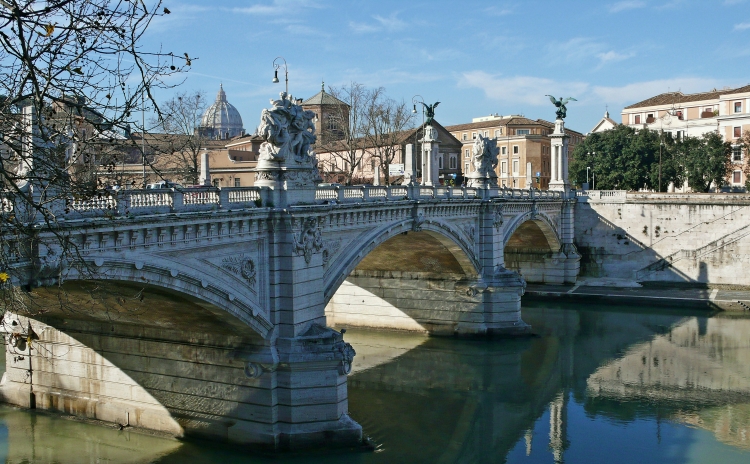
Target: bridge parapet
{"points": [[163, 201]]}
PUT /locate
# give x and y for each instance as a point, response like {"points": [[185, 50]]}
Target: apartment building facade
{"points": [[525, 154], [726, 111]]}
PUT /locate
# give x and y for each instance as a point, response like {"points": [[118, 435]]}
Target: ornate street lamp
{"points": [[276, 72], [414, 100]]}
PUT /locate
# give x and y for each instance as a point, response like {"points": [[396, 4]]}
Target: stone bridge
{"points": [[202, 311]]}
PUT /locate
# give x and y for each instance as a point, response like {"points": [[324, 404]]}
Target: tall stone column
{"points": [[559, 161], [205, 175], [410, 176], [430, 148]]}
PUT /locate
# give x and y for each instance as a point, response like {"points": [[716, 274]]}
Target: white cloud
{"points": [[613, 57], [390, 23], [363, 28], [741, 26], [528, 90], [497, 11], [626, 5], [637, 91], [531, 90], [579, 49], [276, 7]]}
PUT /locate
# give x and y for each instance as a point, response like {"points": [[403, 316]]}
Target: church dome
{"points": [[222, 120]]}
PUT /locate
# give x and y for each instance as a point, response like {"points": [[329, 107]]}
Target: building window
{"points": [[505, 150], [515, 149], [466, 154], [237, 182], [515, 167], [738, 107], [737, 153], [737, 177], [737, 132], [473, 135], [465, 136], [523, 131], [504, 168], [637, 119], [440, 162], [466, 168], [216, 183], [453, 162], [498, 132]]}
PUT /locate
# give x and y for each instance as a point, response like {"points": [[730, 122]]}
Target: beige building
{"points": [[524, 147], [726, 111], [332, 157]]}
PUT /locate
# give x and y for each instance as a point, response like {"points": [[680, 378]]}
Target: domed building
{"points": [[221, 120]]}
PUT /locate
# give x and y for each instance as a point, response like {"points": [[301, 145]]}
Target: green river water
{"points": [[596, 384]]}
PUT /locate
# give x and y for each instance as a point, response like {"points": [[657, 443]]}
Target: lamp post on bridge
{"points": [[276, 67], [414, 100]]}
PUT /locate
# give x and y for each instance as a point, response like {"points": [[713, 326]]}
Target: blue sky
{"points": [[476, 57]]}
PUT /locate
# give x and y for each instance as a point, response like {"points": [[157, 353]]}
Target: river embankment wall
{"points": [[659, 237]]}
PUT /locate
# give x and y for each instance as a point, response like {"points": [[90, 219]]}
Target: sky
{"points": [[476, 57]]}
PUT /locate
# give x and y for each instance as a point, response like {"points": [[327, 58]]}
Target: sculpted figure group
{"points": [[288, 131], [484, 158]]}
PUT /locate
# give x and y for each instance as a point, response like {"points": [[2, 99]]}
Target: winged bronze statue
{"points": [[562, 110], [430, 111]]}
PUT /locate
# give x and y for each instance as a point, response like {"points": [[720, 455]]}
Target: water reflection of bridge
{"points": [[483, 397]]}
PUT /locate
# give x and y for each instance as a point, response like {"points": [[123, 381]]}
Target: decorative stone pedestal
{"points": [[559, 163]]}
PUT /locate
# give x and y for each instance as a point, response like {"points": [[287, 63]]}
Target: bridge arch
{"points": [[451, 238], [544, 223], [204, 290], [406, 279], [532, 247]]}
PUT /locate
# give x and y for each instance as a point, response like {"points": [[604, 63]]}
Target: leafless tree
{"points": [[178, 144], [386, 120], [73, 78], [343, 129]]}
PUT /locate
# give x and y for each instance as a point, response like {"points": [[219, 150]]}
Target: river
{"points": [[596, 384]]}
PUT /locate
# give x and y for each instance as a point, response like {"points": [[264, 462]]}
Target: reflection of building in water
{"points": [[558, 417], [701, 362], [706, 360]]}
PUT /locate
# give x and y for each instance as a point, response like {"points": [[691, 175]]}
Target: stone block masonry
{"points": [[679, 238]]}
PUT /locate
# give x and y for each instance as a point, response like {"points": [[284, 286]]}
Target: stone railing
{"points": [[130, 203], [367, 193], [159, 201], [606, 196]]}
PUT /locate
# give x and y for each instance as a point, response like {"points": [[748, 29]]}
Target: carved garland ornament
{"points": [[242, 267], [310, 239]]}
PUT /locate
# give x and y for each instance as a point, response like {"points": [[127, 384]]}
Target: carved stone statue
{"points": [[286, 159], [484, 159], [288, 131], [430, 111], [562, 110]]}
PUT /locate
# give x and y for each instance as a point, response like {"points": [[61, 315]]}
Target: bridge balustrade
{"points": [[160, 201], [104, 202]]}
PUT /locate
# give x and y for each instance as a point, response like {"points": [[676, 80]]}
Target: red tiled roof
{"points": [[679, 97]]}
